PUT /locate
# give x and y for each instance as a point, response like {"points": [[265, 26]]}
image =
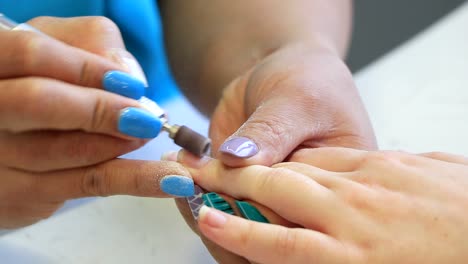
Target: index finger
{"points": [[285, 191], [266, 243], [31, 54]]}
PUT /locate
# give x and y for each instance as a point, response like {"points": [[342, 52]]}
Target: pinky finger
{"points": [[267, 243]]}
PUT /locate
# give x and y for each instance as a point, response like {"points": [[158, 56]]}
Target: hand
{"points": [[219, 253], [60, 132], [354, 207], [299, 96]]}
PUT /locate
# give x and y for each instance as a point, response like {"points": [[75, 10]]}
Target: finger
{"points": [[55, 150], [330, 180], [101, 32], [266, 212], [117, 177], [330, 158], [352, 169], [284, 191], [32, 54], [219, 253], [266, 243], [266, 138], [49, 104], [447, 157], [102, 37]]}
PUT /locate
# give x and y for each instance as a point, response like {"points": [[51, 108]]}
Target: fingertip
{"points": [[169, 156], [139, 123], [211, 218], [124, 84], [177, 185]]}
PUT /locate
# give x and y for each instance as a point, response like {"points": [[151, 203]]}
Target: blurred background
{"points": [[381, 25]]}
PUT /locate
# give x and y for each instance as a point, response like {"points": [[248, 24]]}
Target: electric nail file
{"points": [[182, 136]]}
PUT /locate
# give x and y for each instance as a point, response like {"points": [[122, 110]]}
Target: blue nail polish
{"points": [[139, 123], [177, 185], [123, 84], [240, 147]]}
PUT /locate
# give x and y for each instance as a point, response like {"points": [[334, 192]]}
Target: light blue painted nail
{"points": [[177, 185], [137, 122], [123, 84]]}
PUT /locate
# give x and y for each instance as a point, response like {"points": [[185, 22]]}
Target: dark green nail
{"points": [[215, 201], [248, 211]]}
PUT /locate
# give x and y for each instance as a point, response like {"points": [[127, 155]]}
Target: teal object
{"points": [[139, 123], [214, 200], [139, 22], [249, 212]]}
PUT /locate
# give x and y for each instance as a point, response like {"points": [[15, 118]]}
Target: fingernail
{"points": [[248, 211], [177, 185], [137, 122], [212, 217], [240, 147], [169, 156], [123, 84], [124, 58], [216, 201]]}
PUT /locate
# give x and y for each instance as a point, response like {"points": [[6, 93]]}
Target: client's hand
{"points": [[352, 207]]}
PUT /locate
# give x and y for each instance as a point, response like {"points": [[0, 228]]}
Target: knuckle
{"points": [[245, 237], [285, 243], [31, 91], [40, 20], [270, 129], [268, 179], [86, 75], [29, 46], [358, 198], [101, 25], [381, 157], [98, 116], [95, 182]]}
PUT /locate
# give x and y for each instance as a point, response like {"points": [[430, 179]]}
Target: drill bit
{"points": [[182, 136]]}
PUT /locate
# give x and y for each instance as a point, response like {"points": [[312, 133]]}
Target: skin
{"points": [[58, 128], [268, 71], [264, 69], [350, 206]]}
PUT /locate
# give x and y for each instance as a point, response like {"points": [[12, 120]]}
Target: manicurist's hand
{"points": [[270, 75], [300, 96], [350, 206], [68, 108]]}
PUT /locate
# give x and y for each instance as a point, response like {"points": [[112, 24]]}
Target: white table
{"points": [[417, 97]]}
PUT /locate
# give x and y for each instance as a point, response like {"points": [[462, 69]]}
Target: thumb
{"points": [[270, 134]]}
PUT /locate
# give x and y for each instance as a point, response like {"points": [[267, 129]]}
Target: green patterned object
{"points": [[248, 211], [215, 201]]}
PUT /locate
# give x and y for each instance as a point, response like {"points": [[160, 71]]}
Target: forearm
{"points": [[209, 43]]}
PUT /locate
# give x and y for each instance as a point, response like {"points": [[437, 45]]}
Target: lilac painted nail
{"points": [[240, 147]]}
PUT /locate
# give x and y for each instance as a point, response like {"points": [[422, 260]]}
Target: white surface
{"points": [[417, 97]]}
